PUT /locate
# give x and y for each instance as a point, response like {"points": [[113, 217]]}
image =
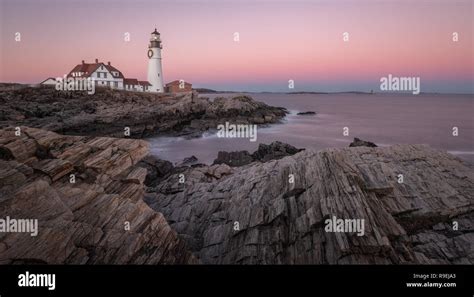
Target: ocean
{"points": [[384, 119]]}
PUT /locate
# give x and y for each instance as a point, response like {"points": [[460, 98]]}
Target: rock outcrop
{"points": [[359, 142], [112, 113], [264, 153], [409, 196], [157, 169], [273, 151], [87, 195], [234, 159], [189, 161]]}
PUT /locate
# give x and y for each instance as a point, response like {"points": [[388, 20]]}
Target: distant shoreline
{"points": [[15, 85], [211, 91]]}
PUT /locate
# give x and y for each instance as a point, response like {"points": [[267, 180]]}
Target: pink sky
{"points": [[279, 40]]}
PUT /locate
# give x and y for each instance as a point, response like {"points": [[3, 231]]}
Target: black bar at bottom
{"points": [[140, 280]]}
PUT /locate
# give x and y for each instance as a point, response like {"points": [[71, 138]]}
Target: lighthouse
{"points": [[155, 72]]}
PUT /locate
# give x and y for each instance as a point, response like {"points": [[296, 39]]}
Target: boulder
{"points": [[358, 142], [189, 161], [234, 159], [275, 150]]}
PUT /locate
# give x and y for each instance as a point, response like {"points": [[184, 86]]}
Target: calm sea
{"points": [[381, 118]]}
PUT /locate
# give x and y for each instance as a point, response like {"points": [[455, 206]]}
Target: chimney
{"points": [[96, 61], [83, 62], [108, 63]]}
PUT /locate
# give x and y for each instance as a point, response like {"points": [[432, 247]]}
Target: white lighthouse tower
{"points": [[155, 72]]}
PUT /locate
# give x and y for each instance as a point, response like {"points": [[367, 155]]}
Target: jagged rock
{"points": [[279, 222], [239, 158], [99, 218], [264, 153], [275, 150], [156, 169], [360, 142], [219, 171], [189, 161]]}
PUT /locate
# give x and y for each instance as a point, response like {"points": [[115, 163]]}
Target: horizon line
{"points": [[301, 92]]}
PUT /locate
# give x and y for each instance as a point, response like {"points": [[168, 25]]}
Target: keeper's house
{"points": [[106, 75]]}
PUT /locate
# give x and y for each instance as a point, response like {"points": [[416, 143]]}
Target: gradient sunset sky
{"points": [[279, 41]]}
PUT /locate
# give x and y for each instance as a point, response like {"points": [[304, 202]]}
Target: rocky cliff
{"points": [[110, 112], [416, 202], [87, 196]]}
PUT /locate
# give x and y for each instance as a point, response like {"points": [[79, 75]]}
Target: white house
{"points": [[104, 75]]}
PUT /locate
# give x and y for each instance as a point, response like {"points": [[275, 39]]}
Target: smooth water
{"points": [[381, 118]]}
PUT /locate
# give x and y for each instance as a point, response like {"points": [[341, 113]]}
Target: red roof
{"points": [[144, 83], [130, 81], [112, 68], [86, 68], [89, 68]]}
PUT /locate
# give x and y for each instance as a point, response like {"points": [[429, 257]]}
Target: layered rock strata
{"points": [[87, 197], [416, 203]]}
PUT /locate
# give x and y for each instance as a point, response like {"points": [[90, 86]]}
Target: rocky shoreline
{"points": [[100, 198], [111, 113], [254, 214], [126, 207]]}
